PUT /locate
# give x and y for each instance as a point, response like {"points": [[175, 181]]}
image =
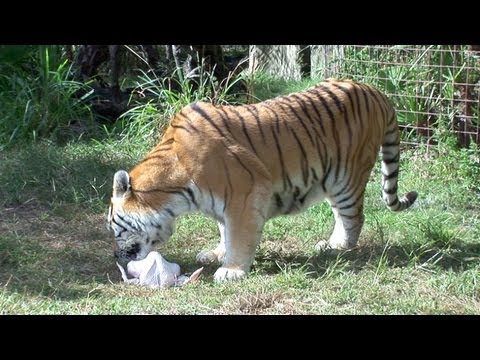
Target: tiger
{"points": [[245, 164]]}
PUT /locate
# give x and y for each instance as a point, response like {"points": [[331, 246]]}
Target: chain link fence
{"points": [[435, 88]]}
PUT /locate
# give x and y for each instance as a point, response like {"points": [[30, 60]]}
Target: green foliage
{"points": [[14, 56], [38, 97], [56, 258], [422, 82], [461, 166], [167, 96], [266, 86]]}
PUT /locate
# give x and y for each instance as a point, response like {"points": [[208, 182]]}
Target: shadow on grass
{"points": [[53, 239], [56, 261], [49, 175], [455, 256]]}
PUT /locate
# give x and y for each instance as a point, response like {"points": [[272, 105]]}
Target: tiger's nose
{"points": [[133, 251]]}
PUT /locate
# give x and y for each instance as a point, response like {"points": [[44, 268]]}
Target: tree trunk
{"points": [[277, 60], [326, 60]]}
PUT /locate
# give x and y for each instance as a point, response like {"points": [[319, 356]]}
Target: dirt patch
{"points": [[41, 252]]}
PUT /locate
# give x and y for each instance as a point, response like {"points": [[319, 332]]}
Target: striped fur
{"points": [[245, 164]]}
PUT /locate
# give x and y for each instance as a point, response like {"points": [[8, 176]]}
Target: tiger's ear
{"points": [[121, 184]]}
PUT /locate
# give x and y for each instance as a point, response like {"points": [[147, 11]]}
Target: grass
{"points": [[38, 99], [55, 251]]}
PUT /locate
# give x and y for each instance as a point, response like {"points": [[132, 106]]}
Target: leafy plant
{"points": [[167, 96], [422, 82], [38, 98]]}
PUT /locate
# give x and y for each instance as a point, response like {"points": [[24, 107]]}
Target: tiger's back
{"points": [[246, 164]]}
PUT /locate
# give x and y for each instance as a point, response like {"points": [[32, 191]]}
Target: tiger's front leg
{"points": [[244, 220], [241, 239], [207, 257]]}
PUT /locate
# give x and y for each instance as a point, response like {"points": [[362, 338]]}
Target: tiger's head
{"points": [[137, 221]]}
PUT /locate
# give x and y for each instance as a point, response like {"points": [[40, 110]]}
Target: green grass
{"points": [[265, 86], [56, 253], [38, 99]]}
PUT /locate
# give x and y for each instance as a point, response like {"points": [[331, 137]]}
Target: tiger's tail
{"points": [[390, 165]]}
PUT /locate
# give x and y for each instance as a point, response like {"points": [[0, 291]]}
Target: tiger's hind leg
{"points": [[349, 219], [207, 257]]}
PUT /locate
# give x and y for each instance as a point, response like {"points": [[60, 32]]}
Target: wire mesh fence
{"points": [[436, 89]]}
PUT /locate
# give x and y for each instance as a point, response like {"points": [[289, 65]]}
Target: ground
{"points": [[56, 253]]}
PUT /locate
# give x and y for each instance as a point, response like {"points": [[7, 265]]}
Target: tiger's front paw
{"points": [[326, 247], [206, 257], [225, 273], [322, 245]]}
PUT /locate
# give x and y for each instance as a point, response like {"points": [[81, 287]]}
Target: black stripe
{"points": [[392, 120], [304, 160], [314, 107], [320, 153], [119, 225], [167, 145], [392, 191], [351, 217], [390, 144], [390, 176], [170, 212], [347, 92], [394, 131], [304, 107], [365, 171], [395, 159], [132, 225], [225, 199], [187, 119], [289, 182], [355, 203], [274, 112], [393, 203], [230, 187], [278, 200], [167, 142], [347, 122], [325, 176], [174, 192], [194, 106], [334, 131], [213, 200], [148, 158], [296, 193], [257, 119], [380, 103], [345, 199], [357, 102], [181, 127], [224, 116], [360, 184], [192, 196], [280, 156], [299, 118], [245, 130], [302, 199], [336, 100], [365, 96], [242, 164]]}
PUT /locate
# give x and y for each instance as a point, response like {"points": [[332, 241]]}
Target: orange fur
{"points": [[245, 164]]}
